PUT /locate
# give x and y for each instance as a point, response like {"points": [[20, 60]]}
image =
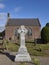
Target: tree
{"points": [[2, 33], [45, 34], [47, 24]]}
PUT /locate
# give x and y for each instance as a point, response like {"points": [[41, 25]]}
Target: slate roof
{"points": [[18, 22]]}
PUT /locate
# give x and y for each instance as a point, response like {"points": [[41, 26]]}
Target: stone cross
{"points": [[22, 31], [22, 55]]}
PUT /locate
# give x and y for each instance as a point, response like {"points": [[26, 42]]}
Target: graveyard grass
{"points": [[34, 50]]}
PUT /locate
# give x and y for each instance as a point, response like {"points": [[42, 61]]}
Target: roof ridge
{"points": [[23, 18]]}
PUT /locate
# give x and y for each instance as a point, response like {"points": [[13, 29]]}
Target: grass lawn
{"points": [[36, 50], [12, 47]]}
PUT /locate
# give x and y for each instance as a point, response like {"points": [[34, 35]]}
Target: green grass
{"points": [[38, 50], [12, 47]]}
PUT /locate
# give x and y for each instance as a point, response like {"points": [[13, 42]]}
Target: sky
{"points": [[24, 9]]}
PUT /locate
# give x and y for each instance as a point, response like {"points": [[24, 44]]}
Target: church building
{"points": [[32, 24]]}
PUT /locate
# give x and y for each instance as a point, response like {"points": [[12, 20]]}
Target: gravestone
{"points": [[22, 55]]}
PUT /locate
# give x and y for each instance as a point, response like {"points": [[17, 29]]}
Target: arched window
{"points": [[16, 33], [29, 32]]}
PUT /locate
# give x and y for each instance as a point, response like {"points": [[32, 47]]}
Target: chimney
{"points": [[8, 15]]}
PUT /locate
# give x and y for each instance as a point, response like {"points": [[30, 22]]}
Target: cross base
{"points": [[23, 55]]}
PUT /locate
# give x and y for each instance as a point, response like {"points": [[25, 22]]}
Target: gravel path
{"points": [[43, 60], [6, 59]]}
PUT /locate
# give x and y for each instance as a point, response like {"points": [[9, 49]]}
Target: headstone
{"points": [[22, 55]]}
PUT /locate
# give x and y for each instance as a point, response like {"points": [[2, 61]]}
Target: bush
{"points": [[45, 34]]}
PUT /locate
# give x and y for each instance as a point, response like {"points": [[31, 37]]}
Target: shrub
{"points": [[45, 34]]}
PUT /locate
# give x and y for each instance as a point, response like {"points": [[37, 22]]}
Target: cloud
{"points": [[2, 16], [17, 9], [2, 28], [2, 6]]}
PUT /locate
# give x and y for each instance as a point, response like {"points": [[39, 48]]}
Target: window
{"points": [[29, 32], [16, 33]]}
